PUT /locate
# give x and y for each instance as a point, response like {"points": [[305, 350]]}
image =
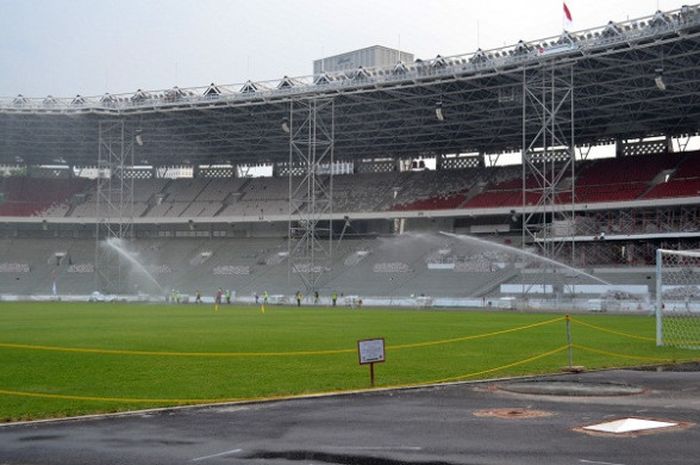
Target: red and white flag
{"points": [[568, 20]]}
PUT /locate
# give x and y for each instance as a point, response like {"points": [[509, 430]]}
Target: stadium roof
{"points": [[391, 112]]}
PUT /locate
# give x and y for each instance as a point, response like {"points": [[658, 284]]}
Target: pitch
{"points": [[63, 359]]}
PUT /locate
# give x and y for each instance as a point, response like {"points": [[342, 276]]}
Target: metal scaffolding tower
{"points": [[114, 212], [548, 182], [311, 126]]}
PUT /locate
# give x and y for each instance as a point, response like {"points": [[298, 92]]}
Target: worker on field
{"points": [[334, 297], [299, 296], [316, 297], [257, 298], [217, 299], [228, 296], [198, 297], [266, 295]]}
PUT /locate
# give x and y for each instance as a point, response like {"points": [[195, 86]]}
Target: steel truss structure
{"points": [[391, 112], [311, 126], [114, 205], [548, 156], [633, 79], [630, 236]]}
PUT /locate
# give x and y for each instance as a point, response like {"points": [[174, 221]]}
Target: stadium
{"points": [[523, 183]]}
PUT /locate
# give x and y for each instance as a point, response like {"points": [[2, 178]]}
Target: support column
{"points": [[311, 146], [114, 213], [548, 181]]}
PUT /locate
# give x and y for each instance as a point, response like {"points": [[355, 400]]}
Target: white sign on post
{"points": [[370, 351]]}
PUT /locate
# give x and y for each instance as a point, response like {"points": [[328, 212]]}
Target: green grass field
{"points": [[62, 359]]}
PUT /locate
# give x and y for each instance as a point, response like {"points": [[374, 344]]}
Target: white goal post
{"points": [[678, 298]]}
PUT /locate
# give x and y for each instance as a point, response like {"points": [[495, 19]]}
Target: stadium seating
{"points": [[602, 180], [675, 188], [396, 266], [684, 182], [689, 167], [365, 192], [28, 196], [435, 190]]}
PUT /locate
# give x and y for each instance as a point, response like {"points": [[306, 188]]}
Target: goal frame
{"points": [[659, 306]]}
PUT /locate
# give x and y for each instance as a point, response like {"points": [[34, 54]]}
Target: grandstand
{"points": [[365, 193]]}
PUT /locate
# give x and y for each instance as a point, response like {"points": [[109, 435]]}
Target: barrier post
{"points": [[569, 342]]}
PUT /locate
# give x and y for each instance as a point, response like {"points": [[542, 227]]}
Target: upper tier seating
{"points": [[435, 190], [684, 182], [28, 196], [602, 180], [620, 179], [365, 192], [675, 188]]}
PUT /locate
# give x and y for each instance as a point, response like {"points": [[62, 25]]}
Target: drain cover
{"points": [[512, 413], [571, 388], [629, 425]]}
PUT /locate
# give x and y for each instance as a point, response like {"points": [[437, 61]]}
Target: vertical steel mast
{"points": [[311, 147], [114, 205], [548, 159]]}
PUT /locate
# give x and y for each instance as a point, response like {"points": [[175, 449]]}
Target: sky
{"points": [[89, 47]]}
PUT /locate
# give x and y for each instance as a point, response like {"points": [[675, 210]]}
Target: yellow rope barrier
{"points": [[500, 368], [129, 400], [264, 354], [615, 354], [476, 336], [612, 331], [109, 399], [171, 354]]}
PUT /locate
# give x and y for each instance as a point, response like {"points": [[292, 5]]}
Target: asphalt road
{"points": [[419, 426]]}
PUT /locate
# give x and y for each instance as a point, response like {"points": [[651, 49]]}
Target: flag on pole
{"points": [[568, 20]]}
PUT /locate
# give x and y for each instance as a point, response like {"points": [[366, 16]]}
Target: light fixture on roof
{"points": [[438, 111], [285, 125], [659, 79], [139, 138]]}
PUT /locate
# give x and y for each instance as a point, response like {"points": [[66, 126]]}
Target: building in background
{"points": [[375, 56]]}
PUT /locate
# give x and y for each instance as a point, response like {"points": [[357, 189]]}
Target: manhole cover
{"points": [[571, 388], [512, 413]]}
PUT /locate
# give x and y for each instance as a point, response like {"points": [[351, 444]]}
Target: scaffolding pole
{"points": [[114, 204], [311, 126], [548, 159]]}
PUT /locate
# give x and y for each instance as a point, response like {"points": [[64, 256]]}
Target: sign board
{"points": [[370, 351]]}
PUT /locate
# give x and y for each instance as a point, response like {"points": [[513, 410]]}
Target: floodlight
{"points": [[659, 79], [285, 125], [438, 111], [139, 138]]}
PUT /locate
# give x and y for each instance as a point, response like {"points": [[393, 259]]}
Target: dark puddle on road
{"points": [[342, 459]]}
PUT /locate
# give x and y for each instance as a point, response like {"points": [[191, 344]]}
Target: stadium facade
{"points": [[340, 146]]}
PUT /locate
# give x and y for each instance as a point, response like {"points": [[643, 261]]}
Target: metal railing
{"points": [[567, 45]]}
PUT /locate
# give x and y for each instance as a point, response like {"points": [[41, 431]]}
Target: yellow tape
{"points": [[107, 399], [262, 354], [614, 354], [128, 400], [171, 354], [502, 367], [612, 331], [476, 336]]}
